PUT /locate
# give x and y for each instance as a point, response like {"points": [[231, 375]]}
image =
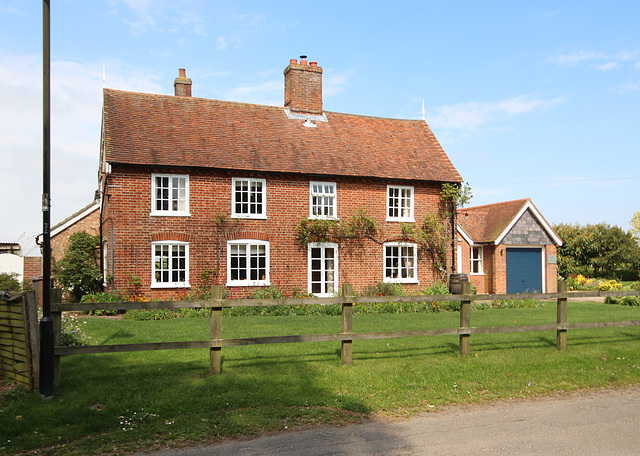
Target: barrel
{"points": [[455, 282]]}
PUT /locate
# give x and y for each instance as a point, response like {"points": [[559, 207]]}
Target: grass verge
{"points": [[122, 402]]}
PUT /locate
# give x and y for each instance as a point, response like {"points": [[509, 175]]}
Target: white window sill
{"points": [[249, 216], [476, 273], [170, 285], [248, 283], [388, 280], [322, 217], [170, 214], [398, 219]]}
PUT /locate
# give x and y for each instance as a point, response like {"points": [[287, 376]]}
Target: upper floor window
{"points": [[322, 200], [249, 198], [170, 264], [400, 203], [170, 194], [247, 263], [477, 266], [400, 262]]}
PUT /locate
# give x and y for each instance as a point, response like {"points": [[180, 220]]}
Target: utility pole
{"points": [[46, 323]]}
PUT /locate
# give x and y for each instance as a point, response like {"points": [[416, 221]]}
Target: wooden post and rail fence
{"points": [[346, 337]]}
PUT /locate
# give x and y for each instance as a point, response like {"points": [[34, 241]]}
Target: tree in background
{"points": [[79, 270], [9, 282], [635, 225], [600, 250]]}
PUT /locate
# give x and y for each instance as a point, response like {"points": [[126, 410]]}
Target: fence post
{"points": [[56, 298], [465, 320], [561, 335], [215, 353], [347, 319]]}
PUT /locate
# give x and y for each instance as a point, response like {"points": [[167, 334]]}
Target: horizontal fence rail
{"points": [[215, 343]]}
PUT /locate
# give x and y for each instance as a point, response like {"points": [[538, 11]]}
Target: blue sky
{"points": [[529, 99]]}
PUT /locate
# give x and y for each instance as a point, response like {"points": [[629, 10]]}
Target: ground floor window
{"points": [[477, 266], [170, 264], [323, 269], [400, 262], [247, 263]]}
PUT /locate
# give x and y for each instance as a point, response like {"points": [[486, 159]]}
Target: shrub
{"points": [[102, 297], [609, 285], [9, 282]]}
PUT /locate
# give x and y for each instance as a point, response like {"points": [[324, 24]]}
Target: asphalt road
{"points": [[585, 423]]}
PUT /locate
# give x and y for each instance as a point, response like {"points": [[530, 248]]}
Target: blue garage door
{"points": [[524, 270]]}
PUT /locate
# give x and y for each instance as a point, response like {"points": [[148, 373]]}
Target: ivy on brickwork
{"points": [[359, 226]]}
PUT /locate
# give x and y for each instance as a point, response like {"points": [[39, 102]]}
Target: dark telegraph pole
{"points": [[46, 323]]}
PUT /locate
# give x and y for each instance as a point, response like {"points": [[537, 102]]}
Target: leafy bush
{"points": [[609, 285], [100, 297], [79, 270], [383, 289], [625, 300], [9, 282]]}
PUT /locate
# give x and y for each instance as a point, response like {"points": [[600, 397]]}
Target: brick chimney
{"points": [[182, 84], [303, 87]]}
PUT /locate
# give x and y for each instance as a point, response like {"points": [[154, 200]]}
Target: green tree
{"points": [[79, 270], [598, 250], [9, 282], [635, 225]]}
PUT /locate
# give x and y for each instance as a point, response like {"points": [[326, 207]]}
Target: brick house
{"points": [[507, 248], [86, 219], [195, 188]]}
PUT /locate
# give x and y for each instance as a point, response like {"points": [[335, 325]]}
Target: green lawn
{"points": [[169, 397]]}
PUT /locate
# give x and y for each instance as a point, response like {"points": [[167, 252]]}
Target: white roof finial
{"points": [[104, 76], [423, 110]]}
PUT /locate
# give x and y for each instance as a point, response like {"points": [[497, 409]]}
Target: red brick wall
{"points": [[60, 242], [32, 267], [127, 219]]}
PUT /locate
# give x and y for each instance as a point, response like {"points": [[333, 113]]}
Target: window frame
{"points": [[333, 206], [263, 194], [248, 282], [479, 261], [414, 268], [169, 212], [400, 198], [170, 284], [323, 282]]}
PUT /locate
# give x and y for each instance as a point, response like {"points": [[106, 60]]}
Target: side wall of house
{"points": [[129, 229], [60, 242]]}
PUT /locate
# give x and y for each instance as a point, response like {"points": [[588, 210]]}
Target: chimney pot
{"points": [[313, 64], [182, 72], [293, 61]]}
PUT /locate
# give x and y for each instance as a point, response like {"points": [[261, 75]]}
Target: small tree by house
{"points": [[79, 270]]}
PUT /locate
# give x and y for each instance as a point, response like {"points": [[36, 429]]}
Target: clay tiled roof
{"points": [[485, 224], [161, 130]]}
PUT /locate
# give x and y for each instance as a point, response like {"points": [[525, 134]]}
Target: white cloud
{"points": [[221, 43], [631, 86], [472, 115], [337, 82], [598, 60]]}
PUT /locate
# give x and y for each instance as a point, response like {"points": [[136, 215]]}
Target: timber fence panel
{"points": [[18, 339]]}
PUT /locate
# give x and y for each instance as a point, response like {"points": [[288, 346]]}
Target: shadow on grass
{"points": [[132, 400]]}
